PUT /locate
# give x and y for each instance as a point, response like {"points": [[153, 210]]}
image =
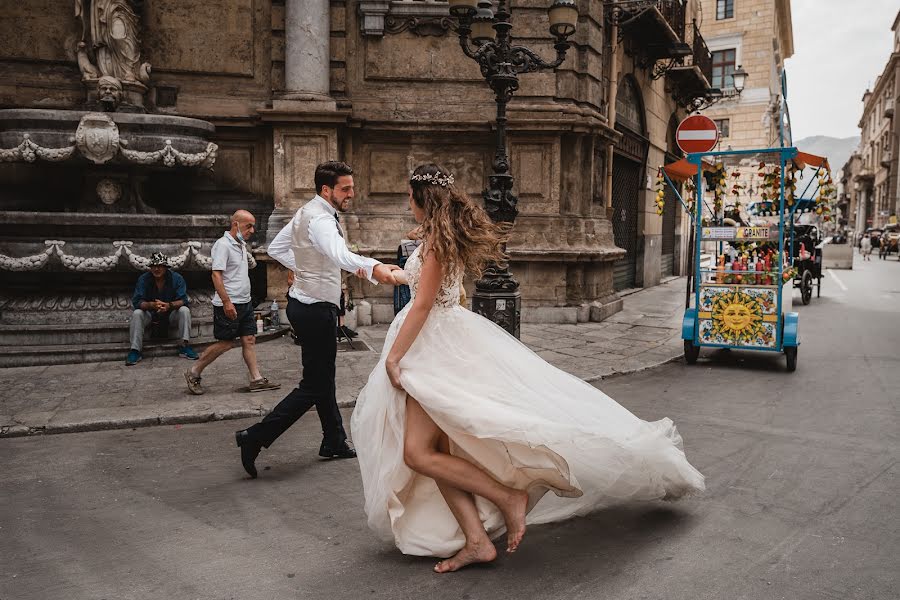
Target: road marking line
{"points": [[839, 282]]}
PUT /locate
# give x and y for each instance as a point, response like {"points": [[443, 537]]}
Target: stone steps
{"points": [[81, 333], [57, 354]]}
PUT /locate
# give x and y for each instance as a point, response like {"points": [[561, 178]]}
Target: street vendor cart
{"points": [[742, 297]]}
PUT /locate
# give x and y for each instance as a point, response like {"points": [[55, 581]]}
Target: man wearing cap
{"points": [[158, 295]]}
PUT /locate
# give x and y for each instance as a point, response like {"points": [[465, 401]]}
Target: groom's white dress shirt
{"points": [[325, 234]]}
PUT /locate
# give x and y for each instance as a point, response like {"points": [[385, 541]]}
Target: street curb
{"points": [[647, 367], [207, 416], [129, 423]]}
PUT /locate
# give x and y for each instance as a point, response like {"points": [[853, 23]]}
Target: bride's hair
{"points": [[459, 232]]}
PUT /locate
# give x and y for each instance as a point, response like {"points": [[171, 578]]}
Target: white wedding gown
{"points": [[505, 409]]}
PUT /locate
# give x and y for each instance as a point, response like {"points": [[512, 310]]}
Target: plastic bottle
{"points": [[259, 324], [276, 320]]}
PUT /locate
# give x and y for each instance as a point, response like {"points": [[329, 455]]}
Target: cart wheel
{"points": [[806, 287], [790, 353], [691, 352]]}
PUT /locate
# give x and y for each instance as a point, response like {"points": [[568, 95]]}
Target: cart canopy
{"points": [[805, 159], [682, 170]]}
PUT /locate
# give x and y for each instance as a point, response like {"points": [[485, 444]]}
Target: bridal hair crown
{"points": [[435, 178]]}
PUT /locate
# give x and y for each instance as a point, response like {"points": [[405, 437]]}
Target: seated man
{"points": [[157, 295]]}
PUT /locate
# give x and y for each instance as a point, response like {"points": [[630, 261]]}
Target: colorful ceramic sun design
{"points": [[737, 319]]}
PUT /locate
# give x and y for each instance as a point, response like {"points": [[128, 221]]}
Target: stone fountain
{"points": [[86, 196]]}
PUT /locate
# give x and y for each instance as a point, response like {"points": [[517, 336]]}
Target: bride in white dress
{"points": [[462, 430]]}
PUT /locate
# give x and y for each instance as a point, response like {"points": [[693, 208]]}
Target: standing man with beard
{"points": [[312, 246]]}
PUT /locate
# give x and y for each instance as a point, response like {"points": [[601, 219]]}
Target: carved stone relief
{"points": [[109, 191], [109, 52], [378, 17], [97, 139], [434, 26], [36, 262]]}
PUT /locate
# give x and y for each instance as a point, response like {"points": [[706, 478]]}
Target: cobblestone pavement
{"points": [[85, 397]]}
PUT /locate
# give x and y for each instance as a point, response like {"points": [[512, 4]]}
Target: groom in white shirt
{"points": [[312, 245]]}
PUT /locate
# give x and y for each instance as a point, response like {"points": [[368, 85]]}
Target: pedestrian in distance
{"points": [[232, 306], [159, 295], [313, 248], [865, 247]]}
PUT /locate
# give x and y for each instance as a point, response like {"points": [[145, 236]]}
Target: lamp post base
{"points": [[503, 307]]}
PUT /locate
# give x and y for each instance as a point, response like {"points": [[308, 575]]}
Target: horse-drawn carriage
{"points": [[806, 252], [889, 241]]}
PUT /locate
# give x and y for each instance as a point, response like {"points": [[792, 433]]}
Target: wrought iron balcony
{"points": [[654, 29], [693, 76]]}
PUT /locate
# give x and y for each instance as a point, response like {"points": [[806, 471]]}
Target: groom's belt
{"points": [[330, 305]]}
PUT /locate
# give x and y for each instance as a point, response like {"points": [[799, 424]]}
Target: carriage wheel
{"points": [[790, 353], [806, 287], [691, 352]]}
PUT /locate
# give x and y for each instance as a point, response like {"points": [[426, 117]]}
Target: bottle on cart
{"points": [[275, 319]]}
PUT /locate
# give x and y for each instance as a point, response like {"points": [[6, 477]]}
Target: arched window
{"points": [[629, 107]]}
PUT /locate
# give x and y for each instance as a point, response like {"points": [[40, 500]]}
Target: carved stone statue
{"points": [[111, 29], [109, 93]]}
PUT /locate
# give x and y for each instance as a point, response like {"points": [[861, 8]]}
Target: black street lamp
{"points": [[485, 37]]}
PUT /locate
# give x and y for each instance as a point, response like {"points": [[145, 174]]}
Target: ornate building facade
{"points": [[874, 179], [758, 36], [285, 84]]}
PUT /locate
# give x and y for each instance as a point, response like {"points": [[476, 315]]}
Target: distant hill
{"points": [[837, 150]]}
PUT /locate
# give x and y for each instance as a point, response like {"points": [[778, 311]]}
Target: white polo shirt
{"points": [[230, 257]]}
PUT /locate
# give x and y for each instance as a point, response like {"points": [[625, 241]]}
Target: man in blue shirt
{"points": [[158, 295]]}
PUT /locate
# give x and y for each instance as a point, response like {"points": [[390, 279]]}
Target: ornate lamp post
{"points": [[484, 36]]}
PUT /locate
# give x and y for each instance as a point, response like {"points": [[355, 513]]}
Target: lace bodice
{"points": [[448, 295]]}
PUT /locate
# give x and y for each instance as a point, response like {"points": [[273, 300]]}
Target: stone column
{"points": [[301, 141], [307, 52]]}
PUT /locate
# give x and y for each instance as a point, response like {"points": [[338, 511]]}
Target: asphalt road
{"points": [[803, 498]]}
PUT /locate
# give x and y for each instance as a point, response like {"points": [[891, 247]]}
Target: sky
{"points": [[840, 48]]}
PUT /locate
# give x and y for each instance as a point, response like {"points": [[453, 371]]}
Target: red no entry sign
{"points": [[697, 134]]}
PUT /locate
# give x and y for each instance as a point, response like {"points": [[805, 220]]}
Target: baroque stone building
{"points": [[758, 36], [874, 178], [404, 93], [277, 86]]}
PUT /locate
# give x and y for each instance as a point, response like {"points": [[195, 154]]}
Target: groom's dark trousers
{"points": [[314, 325]]}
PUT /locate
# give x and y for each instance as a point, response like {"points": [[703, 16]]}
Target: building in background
{"points": [[875, 179], [282, 85], [756, 35]]}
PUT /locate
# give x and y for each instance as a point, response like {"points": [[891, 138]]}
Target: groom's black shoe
{"points": [[342, 451], [249, 451]]}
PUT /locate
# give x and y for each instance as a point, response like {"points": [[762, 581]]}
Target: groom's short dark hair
{"points": [[328, 173]]}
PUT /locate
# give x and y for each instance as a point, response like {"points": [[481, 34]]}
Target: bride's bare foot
{"points": [[514, 515], [478, 552]]}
